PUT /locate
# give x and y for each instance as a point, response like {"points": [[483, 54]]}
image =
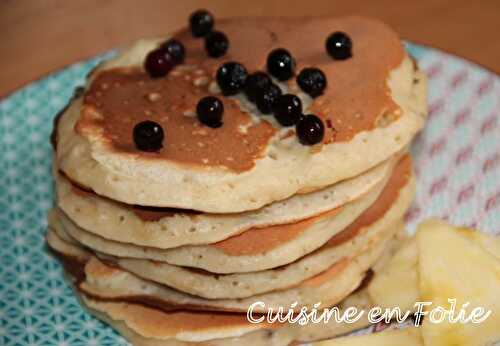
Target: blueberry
{"points": [[312, 81], [175, 49], [288, 109], [216, 44], [281, 64], [209, 111], [310, 130], [255, 83], [231, 77], [267, 97], [148, 136], [158, 63], [339, 46], [201, 23]]}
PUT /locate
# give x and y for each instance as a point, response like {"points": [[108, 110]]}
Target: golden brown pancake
{"points": [[356, 97], [371, 109]]}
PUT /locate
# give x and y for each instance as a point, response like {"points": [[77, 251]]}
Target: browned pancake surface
{"points": [[356, 98]]}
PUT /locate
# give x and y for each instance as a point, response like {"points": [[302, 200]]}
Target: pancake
{"points": [[142, 325], [103, 281], [213, 286], [377, 221], [329, 287], [216, 286], [260, 249], [63, 244], [133, 321], [360, 299], [372, 108], [255, 249], [74, 257], [166, 228]]}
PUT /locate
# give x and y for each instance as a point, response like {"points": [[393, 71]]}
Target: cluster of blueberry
{"points": [[202, 24], [161, 60], [233, 78], [259, 88]]}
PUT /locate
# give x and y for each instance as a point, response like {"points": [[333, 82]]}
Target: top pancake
{"points": [[371, 109]]}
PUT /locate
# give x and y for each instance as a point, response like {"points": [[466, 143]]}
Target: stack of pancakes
{"points": [[173, 247]]}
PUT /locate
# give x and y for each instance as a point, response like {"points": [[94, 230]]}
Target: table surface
{"points": [[42, 36]]}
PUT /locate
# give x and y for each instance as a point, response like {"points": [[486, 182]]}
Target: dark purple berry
{"points": [[216, 44], [175, 49], [267, 97], [255, 83], [310, 130], [201, 23], [339, 46], [288, 109], [148, 136], [312, 81], [158, 63], [231, 77], [209, 111], [281, 64]]}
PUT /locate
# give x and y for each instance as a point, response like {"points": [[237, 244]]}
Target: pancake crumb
{"points": [[201, 81], [214, 88], [153, 97]]}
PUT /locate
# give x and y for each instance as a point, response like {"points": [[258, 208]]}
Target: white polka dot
{"points": [[21, 259], [16, 206], [10, 155], [24, 276], [90, 324], [33, 120], [43, 188], [39, 170], [13, 190], [45, 204], [57, 310], [7, 121], [56, 101], [54, 85], [31, 103], [93, 342], [11, 172], [38, 153], [9, 138], [18, 224], [56, 292], [35, 136]]}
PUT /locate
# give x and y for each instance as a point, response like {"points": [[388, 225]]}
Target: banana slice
{"points": [[397, 284], [464, 265], [442, 262]]}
